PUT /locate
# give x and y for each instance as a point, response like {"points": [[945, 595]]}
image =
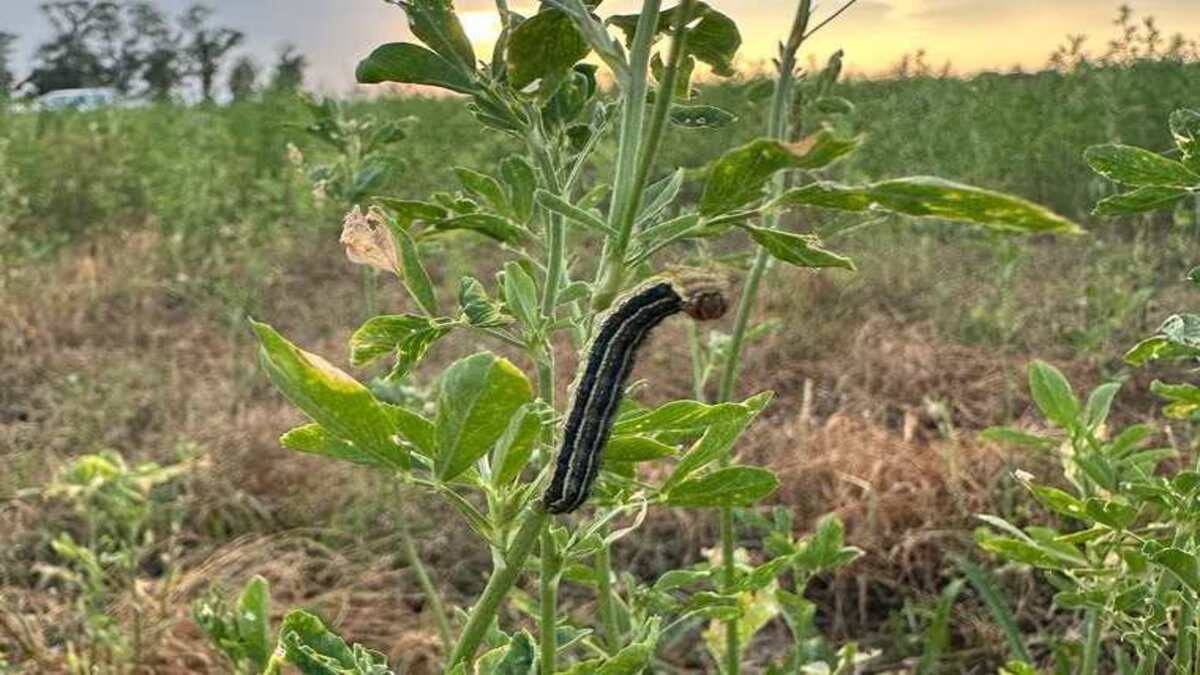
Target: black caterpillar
{"points": [[602, 382]]}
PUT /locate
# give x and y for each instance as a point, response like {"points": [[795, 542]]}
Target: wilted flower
{"points": [[368, 240]]}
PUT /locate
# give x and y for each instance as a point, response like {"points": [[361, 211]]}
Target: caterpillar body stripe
{"points": [[601, 383]]}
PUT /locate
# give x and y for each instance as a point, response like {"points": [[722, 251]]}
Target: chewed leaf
{"points": [[1185, 127], [796, 249], [713, 38], [407, 335], [930, 197], [544, 47], [313, 439], [1179, 337], [701, 117], [412, 64], [739, 177], [332, 398], [1135, 166]]}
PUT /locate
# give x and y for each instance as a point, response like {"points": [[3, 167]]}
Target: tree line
{"points": [[134, 47]]}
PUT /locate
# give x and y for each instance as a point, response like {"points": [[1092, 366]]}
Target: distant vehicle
{"points": [[93, 98]]}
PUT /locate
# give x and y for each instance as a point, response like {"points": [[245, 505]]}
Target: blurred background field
{"points": [[135, 242]]}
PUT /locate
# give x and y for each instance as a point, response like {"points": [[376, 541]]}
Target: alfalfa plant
{"points": [[1126, 555], [509, 456]]}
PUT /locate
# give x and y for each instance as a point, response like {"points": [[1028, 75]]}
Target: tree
{"points": [[7, 78], [289, 70], [74, 56], [207, 46], [243, 78], [155, 50]]}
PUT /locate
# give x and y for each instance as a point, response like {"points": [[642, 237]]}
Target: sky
{"points": [[972, 35]]}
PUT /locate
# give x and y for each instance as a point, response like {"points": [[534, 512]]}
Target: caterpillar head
{"points": [[703, 293]]}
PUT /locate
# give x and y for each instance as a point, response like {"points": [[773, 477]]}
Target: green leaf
{"points": [[254, 621], [521, 180], [1184, 398], [825, 549], [412, 64], [495, 227], [1185, 566], [714, 39], [796, 249], [413, 427], [1113, 514], [1053, 395], [544, 47], [679, 416], [316, 650], [735, 486], [739, 177], [1024, 552], [1135, 166], [519, 657], [1178, 337], [515, 446], [521, 296], [937, 635], [660, 195], [701, 117], [479, 309], [715, 444], [834, 105], [416, 279], [562, 207], [930, 197], [1060, 502], [406, 211], [408, 335], [986, 587], [313, 439], [1141, 200], [479, 396], [1017, 437], [435, 23], [330, 397], [1099, 403], [484, 188], [1185, 127], [637, 449]]}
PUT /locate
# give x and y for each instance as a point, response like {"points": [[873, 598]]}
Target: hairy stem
{"points": [[633, 116], [431, 593], [1091, 648], [498, 586], [548, 620], [779, 129], [604, 595]]}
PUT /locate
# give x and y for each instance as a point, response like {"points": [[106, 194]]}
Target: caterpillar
{"points": [[601, 382]]}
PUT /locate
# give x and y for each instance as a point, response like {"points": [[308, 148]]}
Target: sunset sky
{"points": [[971, 34]]}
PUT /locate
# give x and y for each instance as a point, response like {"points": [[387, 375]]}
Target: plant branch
{"points": [[498, 586]]}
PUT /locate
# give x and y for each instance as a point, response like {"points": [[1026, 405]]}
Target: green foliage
{"points": [[241, 633]]}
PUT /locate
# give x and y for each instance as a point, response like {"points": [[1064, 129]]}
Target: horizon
{"points": [[970, 35]]}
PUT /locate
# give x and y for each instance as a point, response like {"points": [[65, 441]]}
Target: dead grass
{"points": [[113, 347]]}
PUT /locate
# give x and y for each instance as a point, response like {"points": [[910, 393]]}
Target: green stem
{"points": [[1091, 648], [548, 622], [1184, 648], [427, 587], [778, 128], [604, 595], [632, 117], [733, 636], [498, 586]]}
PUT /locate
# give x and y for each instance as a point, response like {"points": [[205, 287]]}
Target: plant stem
{"points": [[633, 115], [427, 587], [1091, 648], [498, 586], [1184, 647], [548, 621], [779, 129], [608, 610]]}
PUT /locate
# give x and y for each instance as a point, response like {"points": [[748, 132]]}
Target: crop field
{"points": [[595, 367]]}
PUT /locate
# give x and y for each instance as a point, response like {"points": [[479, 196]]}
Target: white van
{"points": [[77, 99]]}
